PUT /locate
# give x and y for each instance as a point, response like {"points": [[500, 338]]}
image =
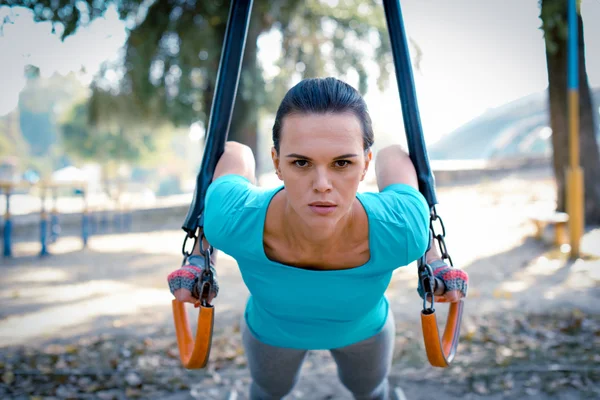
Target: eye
{"points": [[300, 163], [342, 163]]}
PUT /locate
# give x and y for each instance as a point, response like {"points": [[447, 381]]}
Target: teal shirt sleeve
{"points": [[402, 216], [224, 205]]}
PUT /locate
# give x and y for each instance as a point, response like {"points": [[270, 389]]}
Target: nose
{"points": [[321, 181]]}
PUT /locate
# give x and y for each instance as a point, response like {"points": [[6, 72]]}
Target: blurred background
{"points": [[103, 109], [120, 91]]}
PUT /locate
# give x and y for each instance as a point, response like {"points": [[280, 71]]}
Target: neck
{"points": [[316, 238]]}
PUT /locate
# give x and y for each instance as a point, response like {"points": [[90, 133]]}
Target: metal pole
{"points": [[85, 228], [7, 251], [575, 188], [43, 223]]}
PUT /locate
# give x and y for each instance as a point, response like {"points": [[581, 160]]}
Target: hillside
{"points": [[515, 129]]}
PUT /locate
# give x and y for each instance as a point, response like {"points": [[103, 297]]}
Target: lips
{"points": [[322, 204], [322, 207]]}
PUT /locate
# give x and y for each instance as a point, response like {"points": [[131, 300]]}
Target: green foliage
{"points": [[553, 14], [83, 142], [7, 147], [11, 140], [40, 102], [172, 54]]}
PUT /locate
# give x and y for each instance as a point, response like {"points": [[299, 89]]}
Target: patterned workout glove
{"points": [[454, 278], [187, 276]]}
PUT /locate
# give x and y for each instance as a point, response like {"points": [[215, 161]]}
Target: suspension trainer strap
{"points": [[219, 120], [194, 353], [439, 352]]}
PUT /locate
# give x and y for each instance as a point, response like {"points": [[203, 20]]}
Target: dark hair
{"points": [[323, 95]]}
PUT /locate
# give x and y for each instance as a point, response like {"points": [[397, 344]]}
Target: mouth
{"points": [[322, 208], [322, 204]]}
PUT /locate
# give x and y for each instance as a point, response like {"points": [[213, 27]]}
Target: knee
{"points": [[271, 389], [371, 387]]}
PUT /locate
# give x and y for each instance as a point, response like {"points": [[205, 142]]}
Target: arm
{"points": [[237, 159], [393, 165]]}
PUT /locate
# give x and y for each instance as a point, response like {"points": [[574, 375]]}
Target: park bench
{"points": [[558, 220]]}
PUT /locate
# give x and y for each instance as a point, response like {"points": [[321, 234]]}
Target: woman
{"points": [[316, 255]]}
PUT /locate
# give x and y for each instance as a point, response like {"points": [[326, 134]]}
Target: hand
{"points": [[443, 296], [451, 284], [183, 282], [184, 295]]}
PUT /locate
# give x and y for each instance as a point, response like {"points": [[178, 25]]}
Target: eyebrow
{"points": [[294, 155]]}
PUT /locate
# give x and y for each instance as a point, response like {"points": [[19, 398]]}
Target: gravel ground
{"points": [[97, 324]]}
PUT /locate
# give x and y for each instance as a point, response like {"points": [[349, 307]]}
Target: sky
{"points": [[477, 55]]}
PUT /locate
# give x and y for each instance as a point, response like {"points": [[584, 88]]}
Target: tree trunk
{"points": [[556, 58]]}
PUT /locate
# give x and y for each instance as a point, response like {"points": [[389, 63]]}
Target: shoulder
{"points": [[399, 219], [227, 190], [395, 204], [232, 210]]}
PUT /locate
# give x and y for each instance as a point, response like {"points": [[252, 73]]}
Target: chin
{"points": [[322, 221]]}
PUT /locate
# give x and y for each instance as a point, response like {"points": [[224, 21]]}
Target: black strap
{"points": [[408, 100], [222, 106]]}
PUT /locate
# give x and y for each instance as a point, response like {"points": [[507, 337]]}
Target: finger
{"points": [[441, 299], [449, 297], [184, 295], [453, 296]]}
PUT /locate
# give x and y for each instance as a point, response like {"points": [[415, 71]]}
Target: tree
{"points": [[111, 146], [39, 103], [11, 140], [108, 145], [172, 54], [554, 24]]}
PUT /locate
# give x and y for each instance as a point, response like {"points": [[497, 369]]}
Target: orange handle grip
{"points": [[441, 352], [193, 353]]}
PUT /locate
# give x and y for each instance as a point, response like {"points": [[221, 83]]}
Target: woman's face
{"points": [[321, 161]]}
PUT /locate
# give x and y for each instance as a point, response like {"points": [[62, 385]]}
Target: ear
{"points": [[368, 158], [275, 158]]}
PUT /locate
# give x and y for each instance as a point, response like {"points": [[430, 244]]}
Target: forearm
{"points": [[205, 245], [393, 165]]}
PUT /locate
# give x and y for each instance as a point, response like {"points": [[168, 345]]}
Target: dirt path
{"points": [[114, 295]]}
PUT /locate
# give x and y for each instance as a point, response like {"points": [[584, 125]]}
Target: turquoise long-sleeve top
{"points": [[315, 309]]}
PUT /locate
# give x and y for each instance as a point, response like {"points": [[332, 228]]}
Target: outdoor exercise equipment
{"points": [[440, 351], [194, 353], [7, 188], [49, 224]]}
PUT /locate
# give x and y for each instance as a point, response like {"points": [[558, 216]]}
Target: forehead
{"points": [[326, 131]]}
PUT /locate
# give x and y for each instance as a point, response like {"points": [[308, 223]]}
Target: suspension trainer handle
{"points": [[219, 121], [194, 352], [408, 100], [440, 349]]}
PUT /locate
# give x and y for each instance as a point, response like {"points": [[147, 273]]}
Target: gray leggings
{"points": [[362, 367]]}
